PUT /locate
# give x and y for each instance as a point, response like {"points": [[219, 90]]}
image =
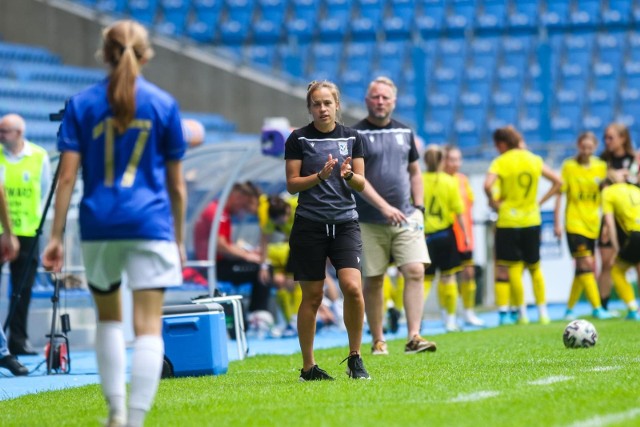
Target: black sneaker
{"points": [[394, 319], [314, 374], [11, 363], [355, 368]]}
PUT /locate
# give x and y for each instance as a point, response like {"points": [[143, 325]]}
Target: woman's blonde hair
{"points": [[623, 131], [333, 88], [125, 48]]}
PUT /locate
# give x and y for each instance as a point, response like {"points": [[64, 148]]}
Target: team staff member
{"points": [[392, 196], [126, 135], [26, 173], [582, 176], [518, 171], [621, 205], [620, 159], [444, 204], [318, 166], [468, 286], [9, 247]]}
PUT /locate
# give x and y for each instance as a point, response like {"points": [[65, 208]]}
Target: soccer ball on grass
{"points": [[580, 334]]}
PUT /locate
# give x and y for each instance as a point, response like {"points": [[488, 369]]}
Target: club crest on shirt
{"points": [[371, 138], [399, 139], [312, 144], [344, 150]]}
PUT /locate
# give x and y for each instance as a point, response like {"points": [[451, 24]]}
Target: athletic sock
{"points": [[517, 287], [450, 300], [146, 367], [590, 286], [428, 280], [537, 278], [623, 287], [574, 293], [111, 360], [468, 290]]}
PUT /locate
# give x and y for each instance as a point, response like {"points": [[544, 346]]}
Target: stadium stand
{"points": [[551, 67], [34, 83]]}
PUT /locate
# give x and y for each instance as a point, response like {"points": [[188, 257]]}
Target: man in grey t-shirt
{"points": [[391, 213]]}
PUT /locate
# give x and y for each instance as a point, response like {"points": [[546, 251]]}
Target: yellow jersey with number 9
{"points": [[518, 174], [442, 201]]}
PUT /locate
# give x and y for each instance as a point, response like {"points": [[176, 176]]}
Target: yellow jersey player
{"points": [[442, 203], [621, 205], [468, 287], [275, 216], [517, 240], [582, 176]]}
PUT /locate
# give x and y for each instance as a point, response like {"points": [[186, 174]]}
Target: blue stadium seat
{"points": [[467, 133], [21, 52], [266, 32], [510, 79], [406, 107], [240, 11], [293, 59], [631, 75], [594, 122], [202, 31], [461, 14], [617, 12], [392, 56], [431, 20], [435, 132], [563, 129], [404, 9], [332, 29], [174, 14], [261, 54], [557, 14], [143, 11], [447, 81], [273, 10], [524, 14], [359, 56], [492, 17], [371, 9], [306, 10], [605, 76], [112, 6], [353, 85], [299, 30], [327, 58], [478, 79], [363, 29], [611, 46], [586, 13], [530, 128], [600, 103], [451, 52], [397, 28], [233, 33], [574, 76]]}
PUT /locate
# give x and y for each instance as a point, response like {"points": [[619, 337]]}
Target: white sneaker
{"points": [[451, 325], [471, 319]]}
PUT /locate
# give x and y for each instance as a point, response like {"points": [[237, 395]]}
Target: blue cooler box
{"points": [[195, 339]]}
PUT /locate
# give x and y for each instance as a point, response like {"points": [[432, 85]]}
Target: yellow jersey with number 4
{"points": [[623, 201], [518, 174], [442, 201], [581, 184]]}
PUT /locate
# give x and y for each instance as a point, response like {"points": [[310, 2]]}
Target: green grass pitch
{"points": [[509, 376]]}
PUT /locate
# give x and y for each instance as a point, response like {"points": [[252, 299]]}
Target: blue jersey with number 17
{"points": [[124, 175]]}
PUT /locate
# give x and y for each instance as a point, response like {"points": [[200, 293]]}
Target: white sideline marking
{"points": [[550, 380], [472, 397], [605, 368], [603, 420]]}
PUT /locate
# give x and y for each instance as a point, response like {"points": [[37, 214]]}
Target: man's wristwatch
{"points": [[419, 207], [348, 176]]}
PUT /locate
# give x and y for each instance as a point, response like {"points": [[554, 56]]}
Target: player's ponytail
{"points": [[433, 158], [125, 48]]}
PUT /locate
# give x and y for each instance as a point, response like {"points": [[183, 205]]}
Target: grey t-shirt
{"points": [[387, 153], [332, 201]]}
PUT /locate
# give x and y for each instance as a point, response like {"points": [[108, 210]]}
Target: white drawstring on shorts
{"points": [[334, 230]]}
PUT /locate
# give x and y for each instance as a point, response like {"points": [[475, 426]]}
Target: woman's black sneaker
{"points": [[355, 368], [314, 374]]}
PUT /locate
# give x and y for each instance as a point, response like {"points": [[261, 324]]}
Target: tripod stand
{"points": [[56, 351]]}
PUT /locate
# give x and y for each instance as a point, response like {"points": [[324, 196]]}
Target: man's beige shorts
{"points": [[380, 242]]}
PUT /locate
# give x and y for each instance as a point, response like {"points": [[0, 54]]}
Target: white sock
{"points": [[111, 358], [522, 310], [633, 305], [146, 367], [542, 310]]}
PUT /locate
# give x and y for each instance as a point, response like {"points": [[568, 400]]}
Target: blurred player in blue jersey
{"points": [[125, 133]]}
